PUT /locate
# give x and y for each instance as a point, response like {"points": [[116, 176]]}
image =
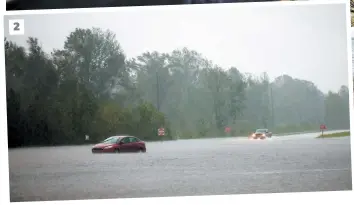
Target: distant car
{"points": [[261, 134], [119, 144]]}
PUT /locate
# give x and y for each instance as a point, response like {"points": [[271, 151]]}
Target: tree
{"points": [[337, 106], [152, 76], [89, 87], [99, 61], [33, 80]]}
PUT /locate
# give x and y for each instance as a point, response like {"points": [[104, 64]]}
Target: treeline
{"points": [[91, 88]]}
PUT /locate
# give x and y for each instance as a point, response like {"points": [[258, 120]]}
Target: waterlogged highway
{"points": [[294, 163]]}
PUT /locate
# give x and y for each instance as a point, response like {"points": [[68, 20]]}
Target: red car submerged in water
{"points": [[119, 144]]}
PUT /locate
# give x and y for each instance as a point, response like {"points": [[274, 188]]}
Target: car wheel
{"points": [[142, 150], [117, 151]]}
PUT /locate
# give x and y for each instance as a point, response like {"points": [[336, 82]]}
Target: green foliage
{"points": [[58, 99], [337, 134], [337, 106], [90, 88], [296, 128]]}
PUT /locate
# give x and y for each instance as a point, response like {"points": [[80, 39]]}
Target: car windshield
{"points": [[261, 131], [110, 140]]}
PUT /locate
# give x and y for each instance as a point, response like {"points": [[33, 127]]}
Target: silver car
{"points": [[261, 134]]}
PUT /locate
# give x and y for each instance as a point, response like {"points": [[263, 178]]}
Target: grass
{"points": [[337, 134]]}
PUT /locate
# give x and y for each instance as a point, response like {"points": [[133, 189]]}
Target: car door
{"points": [[126, 145], [134, 144]]}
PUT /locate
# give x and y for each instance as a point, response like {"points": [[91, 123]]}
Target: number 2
{"points": [[17, 26]]}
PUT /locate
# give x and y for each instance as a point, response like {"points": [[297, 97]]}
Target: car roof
{"points": [[123, 136], [115, 137], [111, 137]]}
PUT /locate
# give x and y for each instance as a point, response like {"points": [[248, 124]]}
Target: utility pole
{"points": [[270, 100], [157, 91], [272, 106]]}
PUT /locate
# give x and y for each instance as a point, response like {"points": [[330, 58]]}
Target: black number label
{"points": [[17, 26]]}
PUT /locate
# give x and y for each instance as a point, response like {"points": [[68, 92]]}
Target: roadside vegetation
{"points": [[91, 87], [352, 12], [337, 134]]}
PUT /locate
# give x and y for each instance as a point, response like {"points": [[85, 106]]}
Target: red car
{"points": [[119, 144]]}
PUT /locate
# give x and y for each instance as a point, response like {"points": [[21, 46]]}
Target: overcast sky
{"points": [[304, 41]]}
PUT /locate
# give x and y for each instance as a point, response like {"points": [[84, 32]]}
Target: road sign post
{"points": [[322, 128], [227, 130]]}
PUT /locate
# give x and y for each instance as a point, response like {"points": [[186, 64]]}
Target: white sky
{"points": [[303, 41]]}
